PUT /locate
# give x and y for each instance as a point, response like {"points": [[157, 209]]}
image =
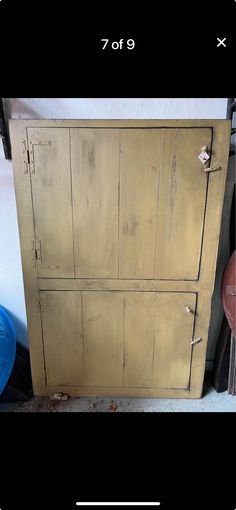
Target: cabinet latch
{"points": [[204, 156], [196, 341], [26, 157], [213, 168]]}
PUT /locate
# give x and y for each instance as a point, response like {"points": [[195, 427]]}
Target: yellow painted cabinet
{"points": [[119, 225]]}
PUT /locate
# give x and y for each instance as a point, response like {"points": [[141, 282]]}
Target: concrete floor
{"points": [[211, 402]]}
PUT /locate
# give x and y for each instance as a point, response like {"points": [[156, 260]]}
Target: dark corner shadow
{"points": [[11, 105], [26, 112], [207, 384]]}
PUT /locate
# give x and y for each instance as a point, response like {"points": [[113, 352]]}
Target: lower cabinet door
{"points": [[118, 339]]}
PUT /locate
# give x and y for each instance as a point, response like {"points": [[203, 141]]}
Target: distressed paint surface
{"points": [[95, 175], [121, 349], [63, 337], [117, 339], [52, 201], [181, 205], [140, 161], [103, 338]]}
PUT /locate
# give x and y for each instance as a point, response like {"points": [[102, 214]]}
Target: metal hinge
{"points": [[26, 157], [29, 155], [31, 152], [39, 304], [37, 250]]}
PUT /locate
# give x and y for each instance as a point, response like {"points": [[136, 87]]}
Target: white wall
{"points": [[171, 108], [11, 283]]}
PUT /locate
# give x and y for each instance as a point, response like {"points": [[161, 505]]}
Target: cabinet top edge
{"points": [[118, 122]]}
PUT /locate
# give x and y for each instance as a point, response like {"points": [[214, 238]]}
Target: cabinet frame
{"points": [[203, 286]]}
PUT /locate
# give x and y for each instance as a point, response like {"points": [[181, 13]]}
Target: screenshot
{"points": [[117, 255]]}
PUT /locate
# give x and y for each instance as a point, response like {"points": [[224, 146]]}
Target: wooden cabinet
{"points": [[119, 225]]}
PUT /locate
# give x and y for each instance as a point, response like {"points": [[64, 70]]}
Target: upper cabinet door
{"points": [[52, 203], [139, 198], [163, 190]]}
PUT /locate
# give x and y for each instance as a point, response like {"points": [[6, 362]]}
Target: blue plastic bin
{"points": [[7, 347]]}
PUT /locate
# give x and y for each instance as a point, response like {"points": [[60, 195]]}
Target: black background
{"points": [[53, 460], [53, 50]]}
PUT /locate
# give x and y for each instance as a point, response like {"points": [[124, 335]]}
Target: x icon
{"points": [[221, 42]]}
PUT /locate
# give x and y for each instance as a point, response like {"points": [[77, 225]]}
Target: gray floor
{"points": [[210, 402]]}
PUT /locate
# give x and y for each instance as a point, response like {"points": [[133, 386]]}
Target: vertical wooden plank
{"points": [[220, 155], [62, 337], [174, 332], [158, 333], [181, 204], [52, 204], [140, 154], [139, 338], [103, 338], [26, 228], [95, 171]]}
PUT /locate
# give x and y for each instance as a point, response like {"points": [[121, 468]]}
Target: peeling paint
{"points": [[94, 318], [130, 227], [173, 186]]}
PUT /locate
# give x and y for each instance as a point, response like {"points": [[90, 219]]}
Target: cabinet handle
{"points": [[213, 168], [196, 341], [188, 309]]}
